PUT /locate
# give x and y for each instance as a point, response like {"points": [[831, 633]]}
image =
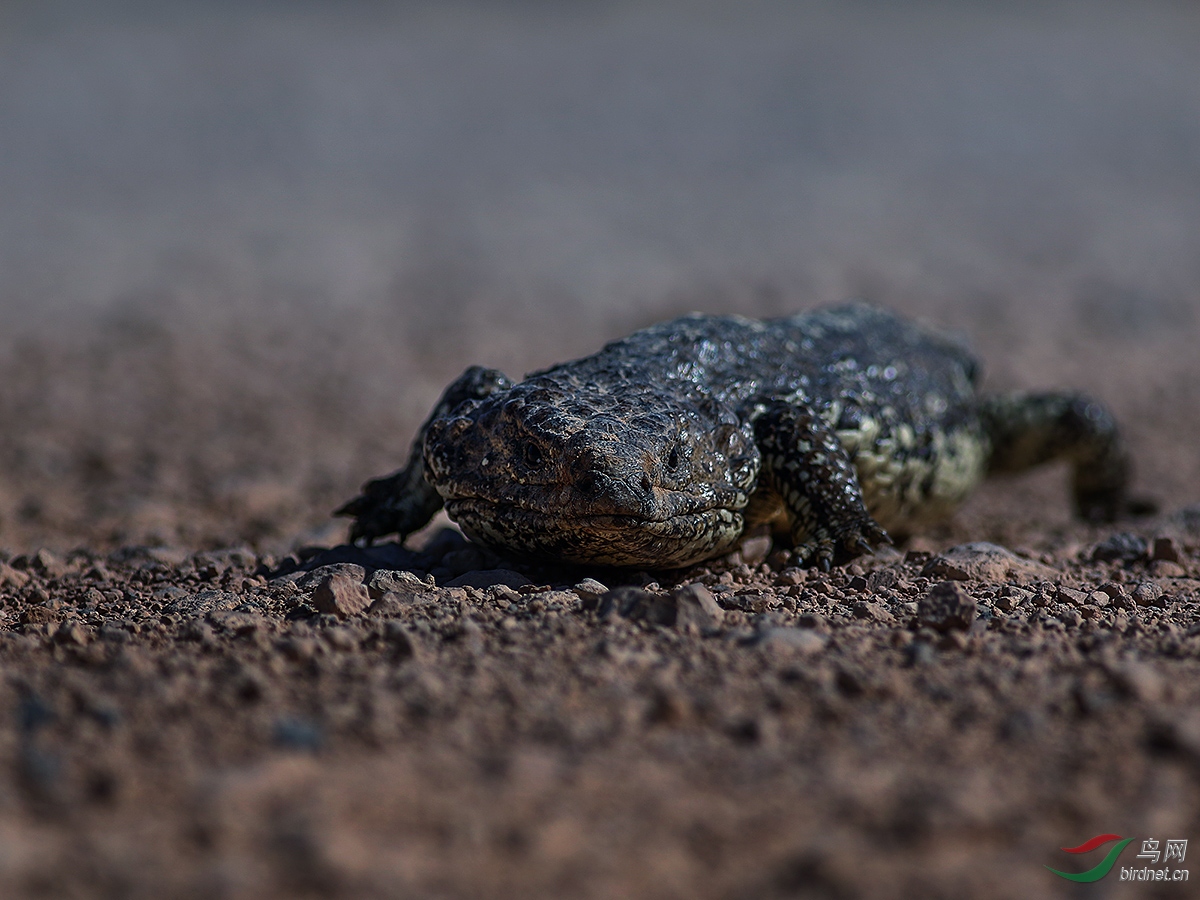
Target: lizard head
{"points": [[583, 474]]}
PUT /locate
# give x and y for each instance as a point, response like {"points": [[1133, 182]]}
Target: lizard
{"points": [[834, 427]]}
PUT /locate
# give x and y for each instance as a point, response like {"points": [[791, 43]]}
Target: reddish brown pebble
{"points": [[11, 576], [1166, 549], [1070, 596], [947, 607], [695, 605], [340, 595], [1148, 594]]}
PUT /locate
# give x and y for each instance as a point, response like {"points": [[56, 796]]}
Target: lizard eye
{"points": [[533, 455]]}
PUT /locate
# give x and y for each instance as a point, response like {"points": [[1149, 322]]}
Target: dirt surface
{"points": [[243, 252], [390, 723]]}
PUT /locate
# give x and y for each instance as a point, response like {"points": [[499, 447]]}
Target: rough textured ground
{"points": [[244, 246], [222, 724]]}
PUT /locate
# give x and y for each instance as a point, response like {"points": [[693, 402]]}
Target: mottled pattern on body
{"points": [[665, 447]]}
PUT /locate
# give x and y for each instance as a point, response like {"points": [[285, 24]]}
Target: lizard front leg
{"points": [[807, 466], [404, 501]]}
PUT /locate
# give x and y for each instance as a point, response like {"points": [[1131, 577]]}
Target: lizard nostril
{"points": [[586, 485], [646, 484]]}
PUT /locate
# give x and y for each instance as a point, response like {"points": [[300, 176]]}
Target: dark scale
{"points": [[665, 447]]}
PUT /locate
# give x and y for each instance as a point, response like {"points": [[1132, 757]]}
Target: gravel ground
{"points": [[243, 251], [392, 723]]}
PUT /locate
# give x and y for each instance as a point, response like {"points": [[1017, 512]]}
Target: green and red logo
{"points": [[1157, 856], [1103, 867]]}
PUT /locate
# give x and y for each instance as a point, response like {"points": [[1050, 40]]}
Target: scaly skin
{"points": [[665, 447]]}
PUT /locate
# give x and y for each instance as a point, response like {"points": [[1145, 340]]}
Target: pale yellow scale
{"points": [[893, 479]]}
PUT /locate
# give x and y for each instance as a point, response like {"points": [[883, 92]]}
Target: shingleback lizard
{"points": [[665, 447]]}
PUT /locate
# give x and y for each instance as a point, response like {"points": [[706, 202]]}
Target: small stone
{"points": [[73, 633], [695, 605], [983, 561], [622, 601], [1098, 598], [391, 604], [752, 601], [384, 581], [98, 572], [177, 556], [169, 594], [309, 580], [589, 591], [916, 557], [1016, 594], [485, 578], [692, 605], [755, 549], [1069, 596], [947, 607], [1124, 547], [1113, 590], [791, 576], [797, 640], [814, 621], [502, 593], [1071, 617], [340, 595], [47, 564], [1148, 593], [240, 624], [881, 579], [872, 612], [37, 615], [1166, 549], [942, 568], [1162, 568], [12, 577]]}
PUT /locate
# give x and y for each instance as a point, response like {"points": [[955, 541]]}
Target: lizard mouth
{"points": [[670, 541]]}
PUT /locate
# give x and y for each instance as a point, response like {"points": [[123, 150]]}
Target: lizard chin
{"points": [[606, 540]]}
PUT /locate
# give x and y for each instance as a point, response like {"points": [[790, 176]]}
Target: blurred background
{"points": [[244, 245]]}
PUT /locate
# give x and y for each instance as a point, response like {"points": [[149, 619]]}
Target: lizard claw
{"points": [[819, 551], [828, 546]]}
